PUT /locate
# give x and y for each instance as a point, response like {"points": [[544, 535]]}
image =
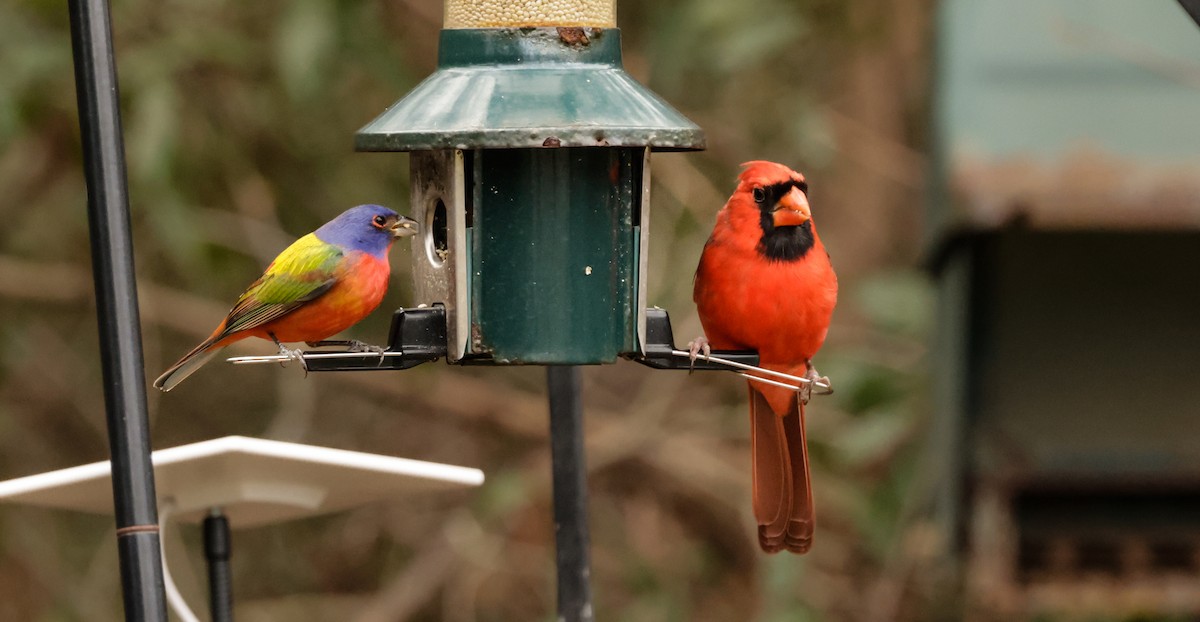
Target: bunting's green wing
{"points": [[301, 273]]}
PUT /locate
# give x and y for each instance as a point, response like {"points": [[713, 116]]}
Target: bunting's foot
{"points": [[351, 345], [292, 355]]}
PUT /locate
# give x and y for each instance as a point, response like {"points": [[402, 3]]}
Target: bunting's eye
{"points": [[760, 195], [379, 221]]}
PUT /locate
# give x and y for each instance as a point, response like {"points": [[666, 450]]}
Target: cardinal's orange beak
{"points": [[792, 210]]}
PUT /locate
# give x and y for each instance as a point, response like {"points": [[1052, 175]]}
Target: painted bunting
{"points": [[765, 283], [322, 284]]}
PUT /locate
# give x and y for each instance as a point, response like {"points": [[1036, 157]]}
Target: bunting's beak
{"points": [[404, 227]]}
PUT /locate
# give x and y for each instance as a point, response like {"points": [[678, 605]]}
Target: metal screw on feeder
{"points": [[530, 175]]}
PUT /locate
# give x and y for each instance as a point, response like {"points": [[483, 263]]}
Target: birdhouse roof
{"points": [[1075, 114]]}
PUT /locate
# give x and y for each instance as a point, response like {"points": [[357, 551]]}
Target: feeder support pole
{"points": [[570, 494], [117, 312], [218, 545]]}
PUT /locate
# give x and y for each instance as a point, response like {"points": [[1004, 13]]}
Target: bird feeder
{"points": [[530, 175], [530, 168], [530, 149]]}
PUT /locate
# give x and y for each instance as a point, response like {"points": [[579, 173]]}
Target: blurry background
{"points": [[239, 122]]}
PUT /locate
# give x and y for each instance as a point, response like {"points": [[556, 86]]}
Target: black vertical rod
{"points": [[218, 545], [117, 311], [570, 494]]}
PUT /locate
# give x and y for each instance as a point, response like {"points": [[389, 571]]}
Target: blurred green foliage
{"points": [[239, 120]]}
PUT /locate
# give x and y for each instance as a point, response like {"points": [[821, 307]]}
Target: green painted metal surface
{"points": [[553, 254], [532, 87], [1039, 78], [554, 135]]}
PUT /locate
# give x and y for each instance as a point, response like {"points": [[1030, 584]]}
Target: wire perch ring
{"points": [[786, 381], [800, 381], [307, 356]]}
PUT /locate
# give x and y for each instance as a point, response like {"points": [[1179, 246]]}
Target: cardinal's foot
{"points": [[695, 348], [824, 385], [816, 382]]}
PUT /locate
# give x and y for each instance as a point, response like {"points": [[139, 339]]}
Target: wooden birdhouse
{"points": [[1065, 240]]}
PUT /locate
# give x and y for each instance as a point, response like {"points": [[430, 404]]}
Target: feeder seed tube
{"points": [[530, 13]]}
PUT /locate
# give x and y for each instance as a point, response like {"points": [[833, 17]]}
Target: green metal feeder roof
{"points": [[529, 87]]}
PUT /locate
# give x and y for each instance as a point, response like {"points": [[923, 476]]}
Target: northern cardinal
{"points": [[322, 284], [765, 283]]}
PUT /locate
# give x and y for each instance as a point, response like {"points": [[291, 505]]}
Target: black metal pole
{"points": [[570, 494], [218, 545], [117, 312]]}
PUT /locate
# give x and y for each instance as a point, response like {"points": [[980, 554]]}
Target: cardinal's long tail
{"points": [[190, 362], [782, 495]]}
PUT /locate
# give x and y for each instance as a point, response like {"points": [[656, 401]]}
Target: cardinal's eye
{"points": [[379, 221], [760, 195]]}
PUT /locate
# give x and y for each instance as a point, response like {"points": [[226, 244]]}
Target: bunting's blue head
{"points": [[367, 228]]}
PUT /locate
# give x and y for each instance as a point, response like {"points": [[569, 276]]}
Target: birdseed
{"points": [[530, 13]]}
